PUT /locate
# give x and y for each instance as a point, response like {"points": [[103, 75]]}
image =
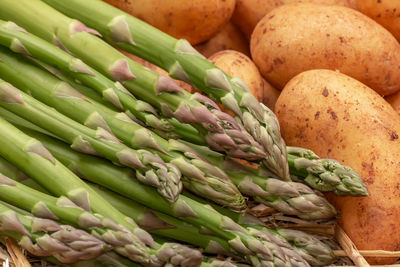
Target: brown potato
{"points": [[385, 12], [271, 95], [229, 38], [249, 12], [394, 101], [239, 65], [298, 37], [158, 70], [195, 20], [338, 117]]}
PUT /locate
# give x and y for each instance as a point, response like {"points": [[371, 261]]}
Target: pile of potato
{"points": [[330, 69]]}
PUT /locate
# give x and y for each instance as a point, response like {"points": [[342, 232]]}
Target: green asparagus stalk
{"points": [[109, 259], [20, 41], [219, 129], [325, 174], [291, 198], [198, 176], [45, 237], [99, 171], [164, 225], [30, 156], [305, 166], [183, 62], [45, 206], [150, 168], [310, 248]]}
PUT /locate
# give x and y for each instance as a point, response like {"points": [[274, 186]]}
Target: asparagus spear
{"points": [[19, 40], [310, 248], [220, 130], [198, 176], [164, 225], [288, 197], [324, 174], [35, 160], [150, 168], [305, 166], [45, 237], [42, 205], [183, 62], [96, 170]]}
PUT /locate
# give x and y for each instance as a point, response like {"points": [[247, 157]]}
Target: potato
{"points": [[229, 38], [298, 37], [271, 95], [158, 70], [385, 12], [195, 20], [239, 65], [338, 117], [394, 101], [249, 12]]}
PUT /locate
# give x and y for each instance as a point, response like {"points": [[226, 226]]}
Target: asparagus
{"points": [[305, 166], [13, 36], [220, 130], [198, 176], [30, 156], [183, 62], [99, 171], [164, 225], [288, 197], [310, 248], [150, 168], [63, 209], [45, 206], [109, 259], [306, 245], [45, 237], [325, 174]]}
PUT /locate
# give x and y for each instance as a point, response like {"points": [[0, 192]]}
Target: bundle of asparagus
{"points": [[90, 146]]}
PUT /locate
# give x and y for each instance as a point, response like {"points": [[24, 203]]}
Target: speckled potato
{"points": [[229, 38], [338, 117], [249, 12], [239, 65], [299, 37], [195, 20], [385, 12]]}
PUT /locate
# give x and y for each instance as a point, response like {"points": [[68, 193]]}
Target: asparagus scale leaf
{"points": [[183, 62]]}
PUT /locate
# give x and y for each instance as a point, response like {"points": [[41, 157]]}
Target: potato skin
{"points": [[385, 12], [271, 95], [249, 12], [195, 20], [239, 65], [339, 117], [299, 37], [394, 101], [229, 38]]}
